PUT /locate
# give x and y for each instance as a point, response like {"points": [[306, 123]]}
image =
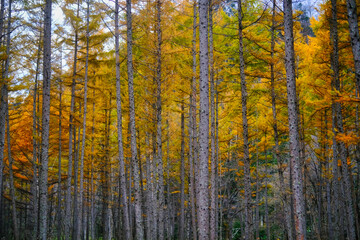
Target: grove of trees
{"points": [[179, 119]]}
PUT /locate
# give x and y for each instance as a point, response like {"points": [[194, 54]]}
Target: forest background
{"points": [[179, 119]]}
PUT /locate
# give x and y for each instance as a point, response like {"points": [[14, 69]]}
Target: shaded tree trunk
{"points": [[192, 129], [244, 94], [59, 195], [159, 155], [182, 175]]}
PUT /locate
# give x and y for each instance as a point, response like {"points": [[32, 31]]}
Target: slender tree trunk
{"points": [[67, 229], [124, 197], [203, 192], [192, 129], [355, 38], [247, 179], [2, 118], [134, 159], [3, 103], [284, 197], [339, 126], [159, 160], [182, 176], [78, 224], [213, 183], [257, 199], [297, 181], [34, 183], [59, 195], [76, 174], [43, 187], [267, 222], [15, 223], [92, 189]]}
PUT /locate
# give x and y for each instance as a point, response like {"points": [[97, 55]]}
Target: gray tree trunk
{"points": [[3, 103], [284, 197], [59, 195], [297, 181], [67, 229], [15, 223], [192, 129], [213, 180], [34, 183], [339, 124], [247, 178], [2, 117], [124, 197], [134, 159], [203, 181], [43, 184], [159, 160], [355, 38], [78, 223], [182, 175]]}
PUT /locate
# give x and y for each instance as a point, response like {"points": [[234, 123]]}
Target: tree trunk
{"points": [[122, 170], [134, 159], [339, 126], [159, 160], [297, 181], [43, 184], [247, 178], [192, 130], [10, 159], [213, 180], [78, 224], [284, 197], [182, 176], [58, 209], [355, 38], [2, 118], [67, 229], [203, 192]]}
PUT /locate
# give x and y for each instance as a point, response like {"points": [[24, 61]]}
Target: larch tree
{"points": [[203, 181], [297, 180], [139, 233], [122, 170], [244, 96], [43, 180]]}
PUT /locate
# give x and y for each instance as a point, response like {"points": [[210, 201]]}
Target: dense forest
{"points": [[180, 119]]}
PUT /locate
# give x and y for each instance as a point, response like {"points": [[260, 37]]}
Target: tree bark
{"points": [[134, 159], [339, 125], [78, 224], [297, 181], [67, 229], [244, 94], [213, 180], [182, 175], [192, 129], [43, 184], [58, 209], [355, 38], [203, 192], [284, 197], [159, 160], [124, 197]]}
